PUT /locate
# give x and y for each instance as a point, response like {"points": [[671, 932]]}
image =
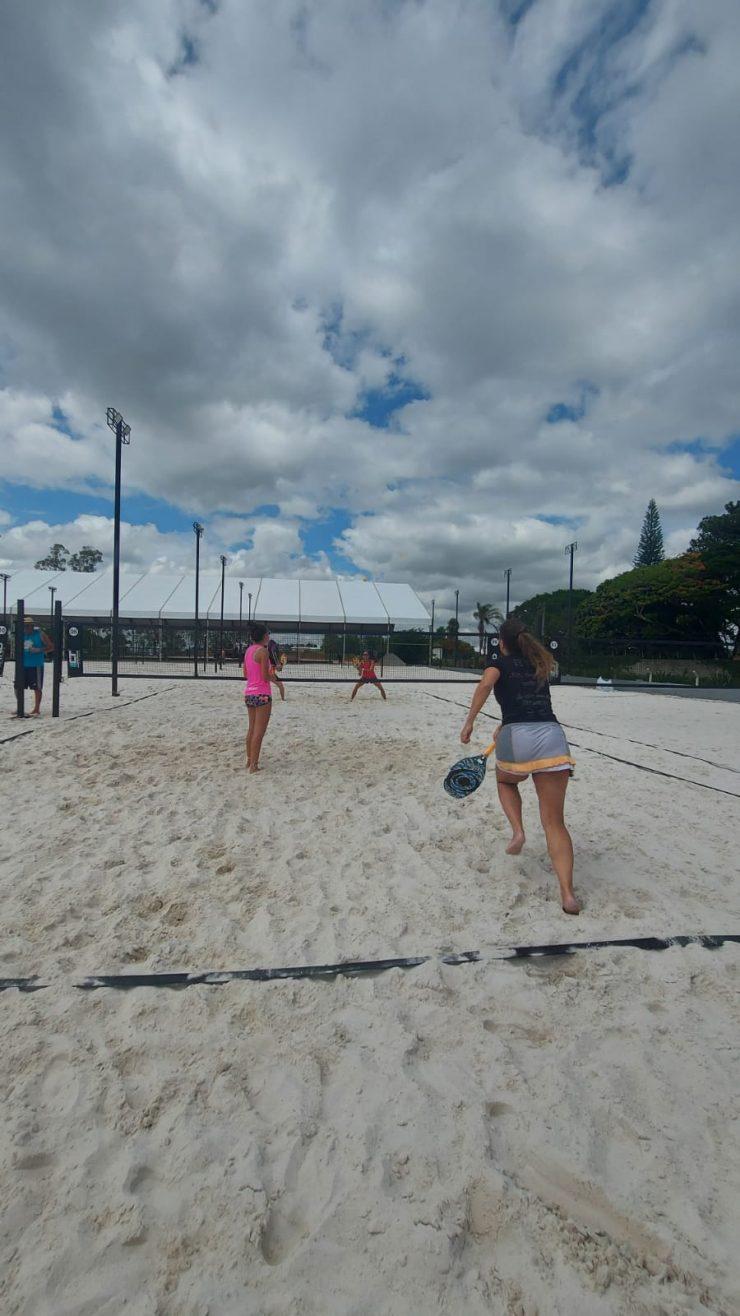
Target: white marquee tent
{"points": [[157, 595]]}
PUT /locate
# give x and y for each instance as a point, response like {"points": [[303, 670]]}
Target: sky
{"points": [[417, 290]]}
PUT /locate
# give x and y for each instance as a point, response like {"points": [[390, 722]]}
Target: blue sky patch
{"points": [[727, 455], [341, 345], [596, 96], [60, 421], [573, 411], [377, 406], [318, 537], [187, 57], [562, 411], [516, 10], [729, 458], [573, 522], [58, 506]]}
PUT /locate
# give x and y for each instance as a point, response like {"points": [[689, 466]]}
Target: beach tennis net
{"points": [[166, 649]]}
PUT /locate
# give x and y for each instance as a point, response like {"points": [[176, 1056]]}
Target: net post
{"points": [[20, 676], [58, 656]]}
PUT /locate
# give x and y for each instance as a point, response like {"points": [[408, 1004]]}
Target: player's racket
{"points": [[466, 776]]}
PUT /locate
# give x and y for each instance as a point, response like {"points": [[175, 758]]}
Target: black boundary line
{"points": [[646, 744], [17, 736], [92, 712], [356, 968], [657, 772]]}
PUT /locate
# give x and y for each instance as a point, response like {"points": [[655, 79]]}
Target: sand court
{"points": [[549, 1136]]}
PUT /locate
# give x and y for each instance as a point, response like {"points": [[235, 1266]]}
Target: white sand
{"points": [[539, 1137]]}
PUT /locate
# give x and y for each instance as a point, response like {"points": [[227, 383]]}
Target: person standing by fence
{"points": [[36, 645]]}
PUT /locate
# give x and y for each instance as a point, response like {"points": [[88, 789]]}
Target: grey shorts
{"points": [[524, 747]]}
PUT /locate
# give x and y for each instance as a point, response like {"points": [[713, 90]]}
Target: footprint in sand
{"points": [[60, 1087], [301, 1208]]}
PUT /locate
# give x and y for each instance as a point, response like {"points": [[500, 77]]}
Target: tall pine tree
{"points": [[650, 549]]}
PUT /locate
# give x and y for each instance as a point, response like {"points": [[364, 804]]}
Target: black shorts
{"points": [[33, 678]]}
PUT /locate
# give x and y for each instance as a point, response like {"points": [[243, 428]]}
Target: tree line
{"points": [[59, 558], [694, 596]]}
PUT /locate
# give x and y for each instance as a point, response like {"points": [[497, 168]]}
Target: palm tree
{"points": [[485, 613]]}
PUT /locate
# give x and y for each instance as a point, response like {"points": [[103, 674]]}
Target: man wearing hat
{"points": [[36, 644]]}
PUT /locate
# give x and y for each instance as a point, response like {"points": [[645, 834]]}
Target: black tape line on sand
{"points": [[91, 712], [630, 763], [358, 968], [114, 708], [17, 736]]}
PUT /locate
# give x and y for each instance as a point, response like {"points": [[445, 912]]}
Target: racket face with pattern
{"points": [[465, 777]]}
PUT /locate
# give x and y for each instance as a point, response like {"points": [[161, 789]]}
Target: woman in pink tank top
{"points": [[257, 695]]}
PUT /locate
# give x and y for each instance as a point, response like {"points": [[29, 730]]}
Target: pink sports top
{"points": [[256, 683]]}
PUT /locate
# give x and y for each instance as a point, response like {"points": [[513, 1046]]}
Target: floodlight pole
{"points": [[431, 634], [122, 432], [570, 548], [221, 624], [457, 623], [52, 591], [250, 607], [241, 598], [507, 576], [197, 527]]}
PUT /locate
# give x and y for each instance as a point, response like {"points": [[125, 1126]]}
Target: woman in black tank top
{"points": [[530, 740]]}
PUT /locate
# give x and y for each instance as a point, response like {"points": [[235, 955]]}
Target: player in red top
{"points": [[367, 675]]}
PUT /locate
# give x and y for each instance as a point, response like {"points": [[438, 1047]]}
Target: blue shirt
{"points": [[30, 642]]}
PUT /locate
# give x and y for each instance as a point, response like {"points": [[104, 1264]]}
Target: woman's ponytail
{"points": [[517, 639]]}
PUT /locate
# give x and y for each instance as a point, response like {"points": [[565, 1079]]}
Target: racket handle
{"points": [[490, 749]]}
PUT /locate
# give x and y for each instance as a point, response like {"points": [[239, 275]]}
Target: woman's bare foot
{"points": [[254, 767], [516, 844], [569, 903]]}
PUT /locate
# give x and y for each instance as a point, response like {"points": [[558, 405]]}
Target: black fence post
{"points": [[570, 549], [20, 675], [58, 656], [221, 622]]}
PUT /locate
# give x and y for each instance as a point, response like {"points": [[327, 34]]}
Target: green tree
{"points": [[484, 614], [88, 559], [547, 614], [718, 544], [56, 559], [650, 549], [412, 646], [453, 627], [674, 599]]}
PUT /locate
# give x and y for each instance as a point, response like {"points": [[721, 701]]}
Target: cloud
{"points": [[233, 222], [273, 548]]}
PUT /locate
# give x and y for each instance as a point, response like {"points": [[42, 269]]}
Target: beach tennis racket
{"points": [[466, 776]]}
